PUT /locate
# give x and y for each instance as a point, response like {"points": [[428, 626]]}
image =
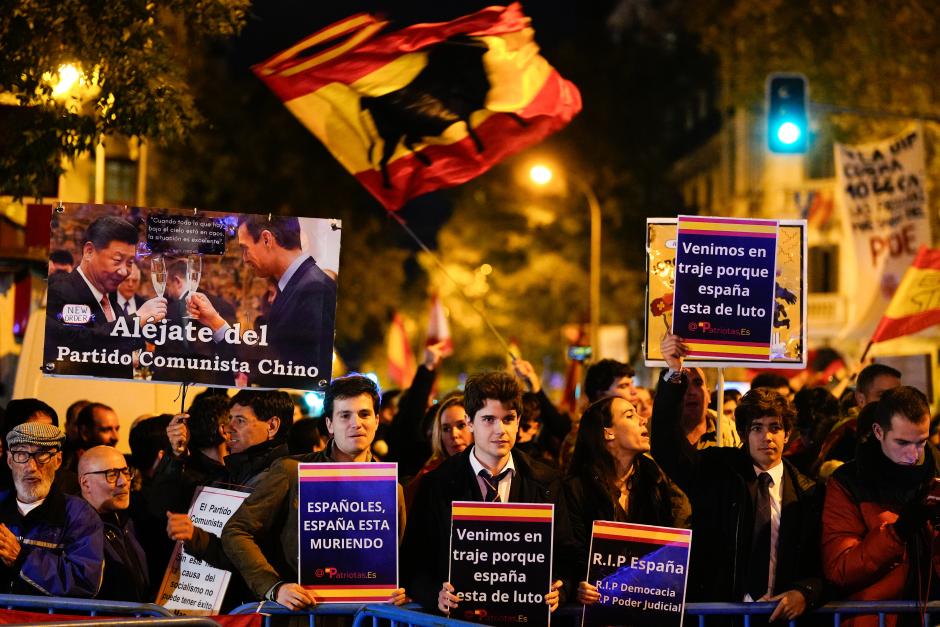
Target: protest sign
{"points": [[881, 197], [724, 300], [348, 526], [501, 561], [190, 586], [784, 318], [640, 572], [192, 297]]}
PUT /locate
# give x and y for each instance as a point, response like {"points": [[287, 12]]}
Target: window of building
{"points": [[120, 181], [823, 269]]}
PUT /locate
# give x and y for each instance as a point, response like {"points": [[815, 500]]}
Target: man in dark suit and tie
{"points": [[301, 321], [128, 300], [756, 516], [490, 470], [82, 308]]}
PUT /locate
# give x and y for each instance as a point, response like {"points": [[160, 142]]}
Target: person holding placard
{"points": [[611, 479], [261, 538], [487, 471], [756, 516]]}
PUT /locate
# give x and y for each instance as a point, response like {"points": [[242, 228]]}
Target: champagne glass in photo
{"points": [[158, 274], [193, 276]]}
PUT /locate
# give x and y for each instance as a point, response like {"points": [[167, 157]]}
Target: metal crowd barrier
{"points": [[91, 607], [150, 621], [837, 611]]}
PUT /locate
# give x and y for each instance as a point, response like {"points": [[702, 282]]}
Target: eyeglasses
{"points": [[41, 457], [111, 474]]}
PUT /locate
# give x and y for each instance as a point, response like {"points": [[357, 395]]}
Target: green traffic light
{"points": [[788, 133]]}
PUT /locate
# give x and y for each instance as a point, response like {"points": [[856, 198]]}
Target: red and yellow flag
{"points": [[425, 107], [401, 361], [916, 303]]}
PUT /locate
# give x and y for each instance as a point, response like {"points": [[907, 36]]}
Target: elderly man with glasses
{"points": [[106, 485], [50, 543]]}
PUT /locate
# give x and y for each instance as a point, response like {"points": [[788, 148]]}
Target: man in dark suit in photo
{"points": [[82, 307], [128, 300], [301, 321]]}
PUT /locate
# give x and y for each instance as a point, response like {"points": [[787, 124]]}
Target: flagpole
{"points": [[440, 265]]}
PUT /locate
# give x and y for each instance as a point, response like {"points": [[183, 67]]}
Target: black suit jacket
{"points": [[95, 334], [301, 324], [721, 483], [426, 546]]}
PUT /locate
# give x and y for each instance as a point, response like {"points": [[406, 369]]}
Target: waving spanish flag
{"points": [[916, 303], [427, 106]]}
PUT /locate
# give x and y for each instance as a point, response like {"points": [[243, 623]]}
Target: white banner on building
{"points": [[882, 200]]}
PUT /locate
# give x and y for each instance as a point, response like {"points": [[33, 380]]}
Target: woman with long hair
{"points": [[450, 435], [611, 478]]}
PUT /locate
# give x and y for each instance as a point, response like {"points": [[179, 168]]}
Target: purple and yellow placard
{"points": [[640, 572], [500, 561], [725, 285], [348, 526]]}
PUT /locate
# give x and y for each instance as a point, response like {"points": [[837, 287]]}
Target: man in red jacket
{"points": [[878, 524]]}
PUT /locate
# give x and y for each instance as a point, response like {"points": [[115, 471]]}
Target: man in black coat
{"points": [[493, 401], [755, 517], [299, 327], [82, 309]]}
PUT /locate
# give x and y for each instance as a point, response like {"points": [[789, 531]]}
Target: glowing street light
{"points": [[540, 174], [67, 77]]}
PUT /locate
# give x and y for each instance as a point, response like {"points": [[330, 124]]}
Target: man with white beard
{"points": [[50, 543]]}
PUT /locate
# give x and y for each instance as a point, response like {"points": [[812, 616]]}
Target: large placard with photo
{"points": [[187, 296]]}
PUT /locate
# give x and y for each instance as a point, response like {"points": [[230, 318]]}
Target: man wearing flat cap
{"points": [[50, 543]]}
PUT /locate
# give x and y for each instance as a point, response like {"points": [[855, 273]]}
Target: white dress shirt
{"points": [[776, 499], [504, 485]]}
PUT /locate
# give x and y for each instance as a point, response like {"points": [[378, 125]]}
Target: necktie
{"points": [[108, 311], [760, 546], [492, 485], [127, 310]]}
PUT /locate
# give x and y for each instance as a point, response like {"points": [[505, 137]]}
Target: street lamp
{"points": [[541, 174]]}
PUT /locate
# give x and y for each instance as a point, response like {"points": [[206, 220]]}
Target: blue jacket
{"points": [[62, 547]]}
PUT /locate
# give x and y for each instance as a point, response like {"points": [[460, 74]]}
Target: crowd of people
{"points": [[793, 499]]}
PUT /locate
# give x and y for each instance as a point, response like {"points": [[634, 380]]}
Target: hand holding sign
{"points": [[154, 310], [178, 434], [673, 350], [294, 597], [179, 527], [399, 597], [588, 594], [446, 599], [553, 596]]}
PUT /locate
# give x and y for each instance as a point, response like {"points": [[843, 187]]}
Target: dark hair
{"points": [[601, 376], [905, 400], [390, 399], [205, 415], [86, 416], [496, 385], [350, 386], [285, 229], [268, 404], [147, 438], [304, 435], [177, 268], [759, 403], [865, 420], [814, 406], [770, 380], [107, 229], [592, 461], [61, 257], [20, 410], [731, 395], [531, 408], [871, 372]]}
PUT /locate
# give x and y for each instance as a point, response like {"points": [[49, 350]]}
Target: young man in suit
{"points": [[756, 517], [83, 310], [300, 323], [490, 470]]}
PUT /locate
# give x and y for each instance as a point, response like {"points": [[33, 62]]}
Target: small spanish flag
{"points": [[915, 305], [425, 107]]}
